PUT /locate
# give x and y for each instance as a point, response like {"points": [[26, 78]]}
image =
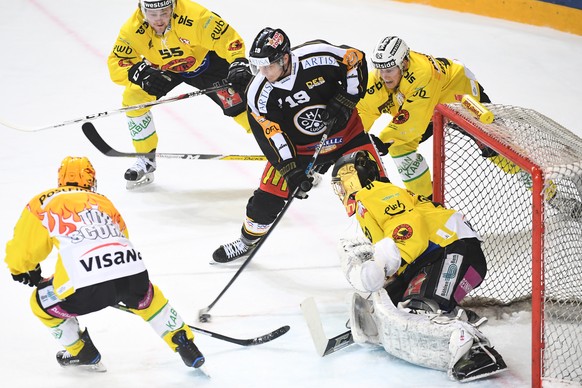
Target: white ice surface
{"points": [[53, 69]]}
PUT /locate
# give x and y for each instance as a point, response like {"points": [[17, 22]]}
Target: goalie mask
{"points": [[350, 174], [390, 51], [77, 171], [269, 47]]}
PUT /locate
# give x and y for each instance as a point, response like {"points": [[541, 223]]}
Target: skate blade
{"points": [[203, 370], [98, 367], [144, 181]]}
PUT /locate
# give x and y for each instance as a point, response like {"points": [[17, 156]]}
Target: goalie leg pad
{"points": [[431, 340]]}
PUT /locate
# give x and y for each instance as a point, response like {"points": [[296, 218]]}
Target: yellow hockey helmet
{"points": [[350, 174], [77, 171]]}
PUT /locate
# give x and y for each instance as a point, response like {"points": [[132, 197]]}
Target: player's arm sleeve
{"points": [[275, 144], [356, 70], [30, 244], [121, 58], [217, 35]]}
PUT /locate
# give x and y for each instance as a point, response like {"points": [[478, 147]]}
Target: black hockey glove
{"points": [[381, 147], [239, 74], [153, 81], [297, 178], [30, 278], [339, 110]]}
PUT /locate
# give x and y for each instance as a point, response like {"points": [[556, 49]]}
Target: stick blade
{"points": [[91, 133]]}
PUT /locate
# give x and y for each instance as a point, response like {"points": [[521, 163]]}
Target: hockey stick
{"points": [[243, 342], [323, 345], [120, 110], [95, 138], [203, 314]]}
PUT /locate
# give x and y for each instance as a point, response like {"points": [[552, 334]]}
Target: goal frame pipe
{"points": [[443, 112]]}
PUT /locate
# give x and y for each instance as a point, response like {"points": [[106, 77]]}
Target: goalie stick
{"points": [[242, 342], [95, 138], [121, 110], [323, 345]]}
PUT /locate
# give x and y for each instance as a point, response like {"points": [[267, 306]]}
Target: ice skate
{"points": [[189, 352], [141, 173], [482, 361], [88, 358], [238, 249]]}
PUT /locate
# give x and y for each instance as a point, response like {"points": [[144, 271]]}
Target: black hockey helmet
{"points": [[350, 174], [269, 46]]}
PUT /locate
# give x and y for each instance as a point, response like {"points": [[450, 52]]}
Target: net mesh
{"points": [[496, 195]]}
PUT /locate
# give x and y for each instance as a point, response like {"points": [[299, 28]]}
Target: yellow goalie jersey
{"points": [[193, 32], [412, 221], [427, 82], [88, 231]]}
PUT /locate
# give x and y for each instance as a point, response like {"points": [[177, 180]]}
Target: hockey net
{"points": [[526, 204]]}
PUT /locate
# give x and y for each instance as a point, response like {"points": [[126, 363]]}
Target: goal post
{"points": [[525, 201]]}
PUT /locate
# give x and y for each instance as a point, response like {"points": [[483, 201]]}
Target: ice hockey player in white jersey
{"points": [[418, 260]]}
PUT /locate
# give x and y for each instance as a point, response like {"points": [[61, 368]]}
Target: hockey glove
{"points": [[239, 74], [30, 278], [381, 147], [339, 110], [153, 81], [297, 178]]}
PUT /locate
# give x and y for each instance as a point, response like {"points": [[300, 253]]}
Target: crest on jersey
{"points": [[308, 120]]}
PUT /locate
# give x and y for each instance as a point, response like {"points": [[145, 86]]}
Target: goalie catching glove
{"points": [[153, 81], [368, 266]]}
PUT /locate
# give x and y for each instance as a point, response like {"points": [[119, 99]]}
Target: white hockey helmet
{"points": [[389, 52], [155, 4]]}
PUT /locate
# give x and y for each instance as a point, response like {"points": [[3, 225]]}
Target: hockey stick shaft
{"points": [[95, 138], [243, 342], [121, 110], [309, 171]]}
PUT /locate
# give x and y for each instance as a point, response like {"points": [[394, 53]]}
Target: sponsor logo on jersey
{"points": [[394, 209], [374, 88], [308, 120], [180, 65], [315, 82], [235, 46], [97, 225], [449, 275], [97, 262], [219, 29], [402, 232], [401, 117], [415, 286], [185, 41], [361, 209], [322, 60], [227, 99], [409, 76], [185, 20]]}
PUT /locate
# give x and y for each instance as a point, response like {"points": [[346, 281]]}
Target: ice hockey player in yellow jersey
{"points": [[408, 85], [166, 43], [97, 266], [418, 260]]}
